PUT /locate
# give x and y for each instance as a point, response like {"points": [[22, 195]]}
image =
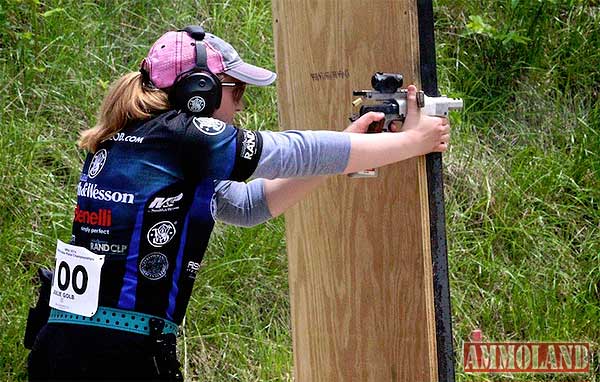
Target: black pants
{"points": [[83, 353]]}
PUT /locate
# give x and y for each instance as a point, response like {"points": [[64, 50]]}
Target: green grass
{"points": [[522, 176]]}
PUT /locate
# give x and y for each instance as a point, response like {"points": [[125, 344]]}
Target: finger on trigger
{"points": [[373, 116]]}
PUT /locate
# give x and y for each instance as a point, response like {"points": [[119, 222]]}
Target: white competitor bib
{"points": [[76, 282]]}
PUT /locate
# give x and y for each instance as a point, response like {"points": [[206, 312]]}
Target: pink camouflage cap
{"points": [[175, 52]]}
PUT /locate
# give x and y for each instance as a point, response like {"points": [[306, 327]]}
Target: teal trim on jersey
{"points": [[119, 319]]}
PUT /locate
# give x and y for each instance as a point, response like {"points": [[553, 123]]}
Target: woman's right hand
{"points": [[428, 134], [419, 135]]}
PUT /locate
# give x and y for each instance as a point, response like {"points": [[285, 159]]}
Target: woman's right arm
{"points": [[309, 153], [420, 135], [376, 150]]}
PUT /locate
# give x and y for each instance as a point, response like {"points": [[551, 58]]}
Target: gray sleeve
{"points": [[284, 154], [302, 153], [241, 204]]}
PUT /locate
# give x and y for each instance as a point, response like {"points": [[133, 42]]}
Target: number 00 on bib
{"points": [[76, 282]]}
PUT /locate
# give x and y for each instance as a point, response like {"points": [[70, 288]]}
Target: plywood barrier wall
{"points": [[358, 249]]}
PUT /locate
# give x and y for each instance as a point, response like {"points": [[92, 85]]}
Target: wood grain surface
{"points": [[358, 249]]}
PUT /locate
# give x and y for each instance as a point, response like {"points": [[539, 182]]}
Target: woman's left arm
{"points": [[282, 194]]}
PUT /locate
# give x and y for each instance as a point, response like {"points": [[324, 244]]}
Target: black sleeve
{"points": [[248, 150], [214, 149]]}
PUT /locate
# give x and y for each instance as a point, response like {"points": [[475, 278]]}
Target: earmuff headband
{"points": [[197, 90], [197, 33]]}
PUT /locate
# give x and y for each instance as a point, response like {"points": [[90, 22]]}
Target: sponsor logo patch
{"points": [[248, 145], [97, 163], [104, 247], [92, 191], [160, 204], [209, 126], [161, 233], [192, 269], [101, 217], [121, 137], [154, 266]]}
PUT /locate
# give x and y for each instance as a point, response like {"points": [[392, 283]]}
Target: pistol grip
{"points": [[376, 126]]}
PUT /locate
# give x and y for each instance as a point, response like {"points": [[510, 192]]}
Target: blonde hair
{"points": [[127, 100]]}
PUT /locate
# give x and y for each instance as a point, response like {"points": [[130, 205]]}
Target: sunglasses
{"points": [[238, 89]]}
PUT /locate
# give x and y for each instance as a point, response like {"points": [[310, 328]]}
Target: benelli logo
{"points": [[99, 246], [165, 204], [91, 191], [249, 145], [101, 217], [121, 137]]}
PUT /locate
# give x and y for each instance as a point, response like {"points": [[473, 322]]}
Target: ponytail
{"points": [[127, 100]]}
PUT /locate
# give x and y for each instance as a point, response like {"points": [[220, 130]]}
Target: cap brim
{"points": [[251, 74]]}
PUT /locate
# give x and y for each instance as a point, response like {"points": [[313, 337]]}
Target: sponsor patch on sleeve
{"points": [[249, 148]]}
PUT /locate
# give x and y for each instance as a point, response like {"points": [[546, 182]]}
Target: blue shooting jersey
{"points": [[144, 201]]}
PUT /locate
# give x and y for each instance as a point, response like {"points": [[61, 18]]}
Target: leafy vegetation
{"points": [[522, 175]]}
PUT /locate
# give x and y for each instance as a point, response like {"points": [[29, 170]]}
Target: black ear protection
{"points": [[197, 90]]}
